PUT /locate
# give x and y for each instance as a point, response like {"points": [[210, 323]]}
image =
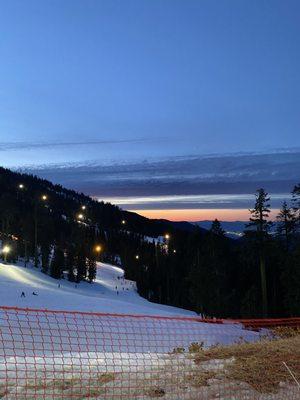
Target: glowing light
{"points": [[123, 222], [137, 257], [98, 248], [174, 251], [83, 207], [44, 197], [80, 216], [6, 249], [21, 186], [167, 236]]}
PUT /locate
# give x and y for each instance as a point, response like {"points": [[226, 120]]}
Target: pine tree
{"points": [[286, 223], [296, 203], [291, 283], [70, 262], [45, 250], [92, 268], [216, 228], [258, 220], [57, 263], [81, 264]]}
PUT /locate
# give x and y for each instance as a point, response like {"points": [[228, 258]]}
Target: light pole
{"points": [[80, 217], [25, 253], [5, 251], [167, 239], [157, 247], [44, 198], [21, 187], [98, 250]]}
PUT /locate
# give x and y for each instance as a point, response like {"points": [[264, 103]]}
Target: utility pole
{"points": [[36, 260], [36, 204], [157, 268], [25, 253]]}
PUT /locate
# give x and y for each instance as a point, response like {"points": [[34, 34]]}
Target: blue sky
{"points": [[103, 84]]}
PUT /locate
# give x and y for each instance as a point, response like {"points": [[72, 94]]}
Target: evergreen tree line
{"points": [[60, 231], [258, 275]]}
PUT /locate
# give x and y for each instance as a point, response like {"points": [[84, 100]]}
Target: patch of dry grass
{"points": [[195, 347], [86, 387], [286, 332], [200, 378], [155, 392], [259, 364], [178, 350], [106, 377], [3, 391]]}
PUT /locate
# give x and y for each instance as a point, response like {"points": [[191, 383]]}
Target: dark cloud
{"points": [[201, 175], [193, 202]]}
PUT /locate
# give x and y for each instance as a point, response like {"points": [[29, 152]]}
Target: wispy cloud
{"points": [[9, 146], [177, 181], [191, 202]]}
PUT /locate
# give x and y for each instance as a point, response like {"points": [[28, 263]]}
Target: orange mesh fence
{"points": [[71, 355]]}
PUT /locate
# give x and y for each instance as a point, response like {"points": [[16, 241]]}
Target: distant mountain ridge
{"points": [[66, 201], [233, 229], [236, 226]]}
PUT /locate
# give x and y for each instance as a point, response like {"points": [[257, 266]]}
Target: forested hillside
{"points": [[177, 264]]}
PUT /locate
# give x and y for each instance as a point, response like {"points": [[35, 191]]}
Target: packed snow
{"points": [[110, 293], [56, 354]]}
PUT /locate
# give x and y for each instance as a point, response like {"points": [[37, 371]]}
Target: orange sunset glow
{"points": [[201, 214]]}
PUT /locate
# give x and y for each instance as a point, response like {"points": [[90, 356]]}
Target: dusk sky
{"points": [[173, 108]]}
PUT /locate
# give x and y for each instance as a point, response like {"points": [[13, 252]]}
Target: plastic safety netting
{"points": [[72, 355]]}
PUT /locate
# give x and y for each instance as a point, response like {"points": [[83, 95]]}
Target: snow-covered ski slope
{"points": [[110, 293]]}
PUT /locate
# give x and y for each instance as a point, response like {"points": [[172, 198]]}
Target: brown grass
{"points": [[259, 364], [3, 391], [155, 392], [200, 378], [105, 378], [65, 384], [286, 332], [178, 350]]}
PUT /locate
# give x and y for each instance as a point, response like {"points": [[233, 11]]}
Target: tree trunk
{"points": [[36, 259], [262, 263]]}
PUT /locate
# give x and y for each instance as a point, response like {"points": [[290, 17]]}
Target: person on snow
{"points": [[22, 294], [34, 294]]}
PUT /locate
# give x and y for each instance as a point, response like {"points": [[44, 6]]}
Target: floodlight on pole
{"points": [[6, 249], [98, 248]]}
